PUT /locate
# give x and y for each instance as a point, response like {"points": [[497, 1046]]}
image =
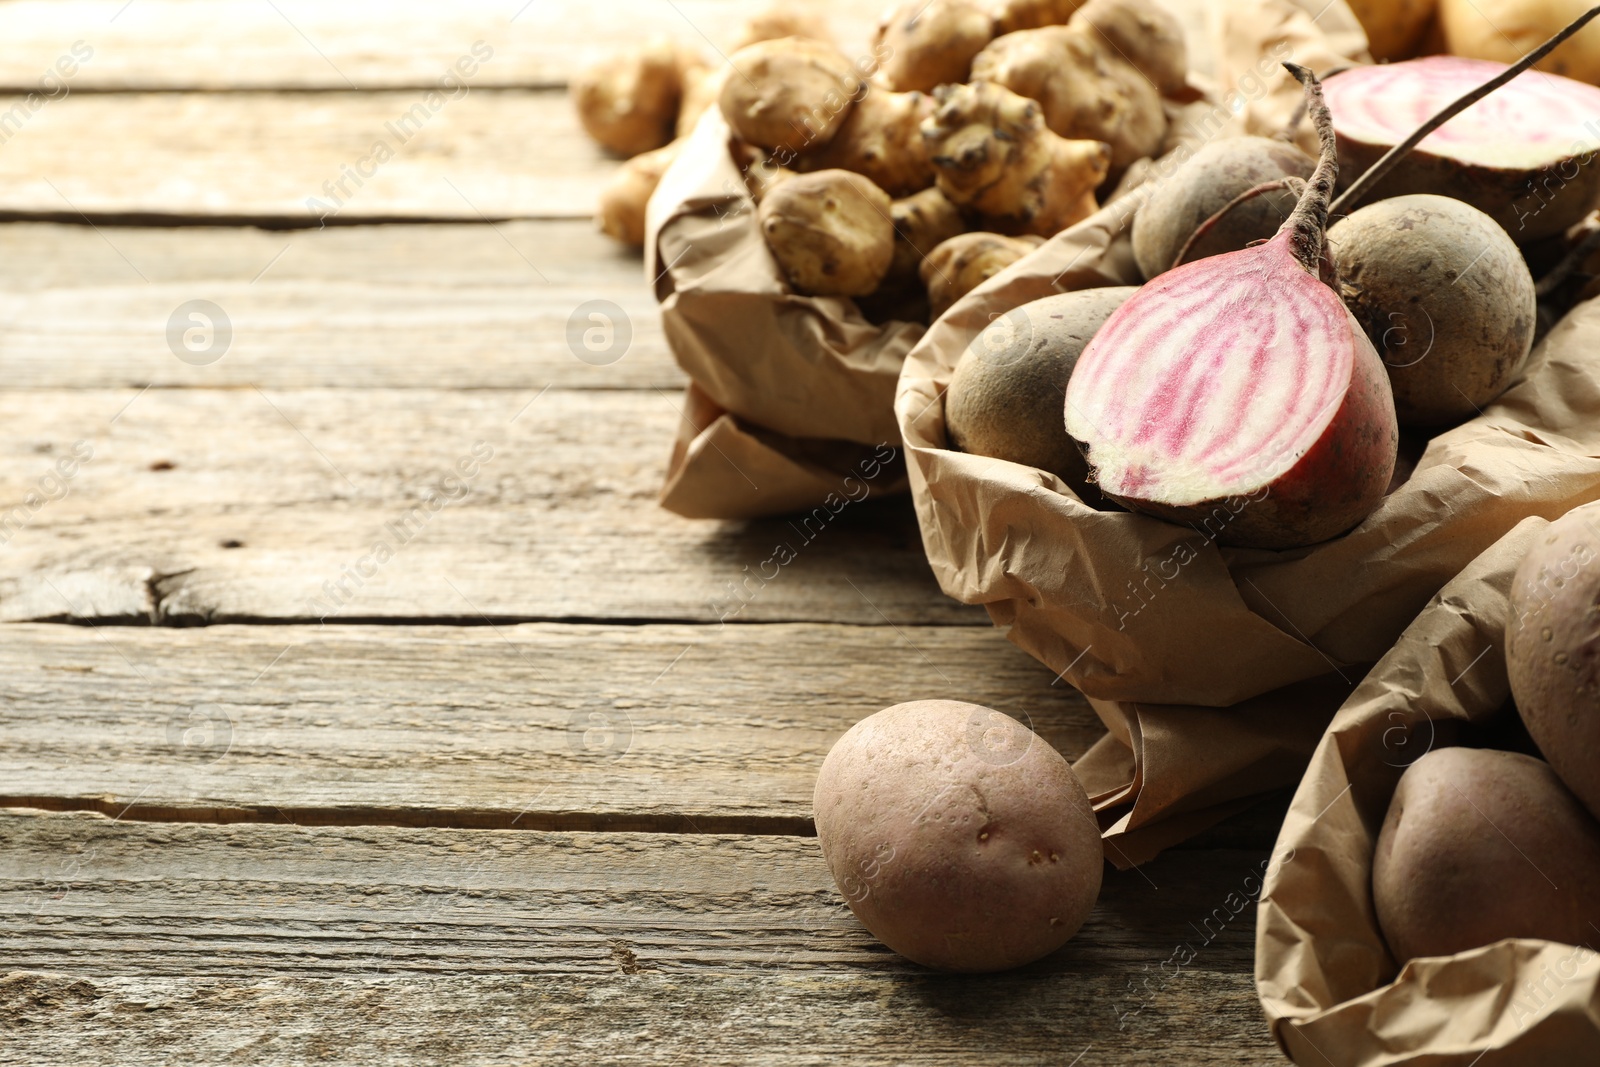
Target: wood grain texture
{"points": [[240, 504], [265, 157], [359, 44], [537, 726], [429, 306], [716, 947]]}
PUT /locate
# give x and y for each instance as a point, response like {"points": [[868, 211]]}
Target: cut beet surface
{"points": [[1522, 155], [1237, 394]]}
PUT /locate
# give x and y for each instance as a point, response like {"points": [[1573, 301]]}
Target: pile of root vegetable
{"points": [[906, 177], [1257, 384]]}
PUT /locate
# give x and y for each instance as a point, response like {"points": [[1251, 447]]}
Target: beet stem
{"points": [[1249, 194], [1386, 163], [1308, 223]]}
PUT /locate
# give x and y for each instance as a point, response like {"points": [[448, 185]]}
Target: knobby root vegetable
{"points": [[922, 222], [1005, 397], [958, 836], [830, 232], [1553, 649], [994, 155], [629, 102], [1523, 156], [1013, 15], [1502, 30], [783, 20], [702, 87], [1445, 297], [1480, 845], [882, 139], [1206, 183], [1085, 90], [1238, 394], [790, 94], [625, 196], [1395, 28], [929, 43], [964, 262], [1143, 33]]}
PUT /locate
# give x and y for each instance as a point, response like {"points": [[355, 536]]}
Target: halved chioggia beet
{"points": [[1238, 391], [1524, 156]]}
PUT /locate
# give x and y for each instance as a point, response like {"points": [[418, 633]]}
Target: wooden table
{"points": [[510, 792]]}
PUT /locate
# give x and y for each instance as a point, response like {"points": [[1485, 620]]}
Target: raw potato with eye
{"points": [[959, 837], [830, 232], [881, 139], [1085, 90], [995, 156], [629, 103], [789, 95], [623, 200], [931, 43], [1445, 297], [965, 262]]}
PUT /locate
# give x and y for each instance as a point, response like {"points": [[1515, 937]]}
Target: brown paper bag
{"points": [[725, 468], [1151, 619], [1327, 981], [810, 371]]}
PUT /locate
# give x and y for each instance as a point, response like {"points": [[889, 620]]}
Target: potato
{"points": [[829, 231], [1553, 649], [1481, 845], [960, 839]]}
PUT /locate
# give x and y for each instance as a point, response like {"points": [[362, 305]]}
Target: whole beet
{"points": [[1206, 183]]}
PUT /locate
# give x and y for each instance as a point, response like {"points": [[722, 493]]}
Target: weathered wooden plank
{"points": [[365, 44], [299, 159], [236, 505], [606, 941], [772, 1018], [436, 306], [539, 726]]}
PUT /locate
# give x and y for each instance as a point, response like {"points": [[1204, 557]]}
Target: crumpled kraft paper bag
{"points": [[1151, 619], [809, 369], [724, 468], [1326, 979]]}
